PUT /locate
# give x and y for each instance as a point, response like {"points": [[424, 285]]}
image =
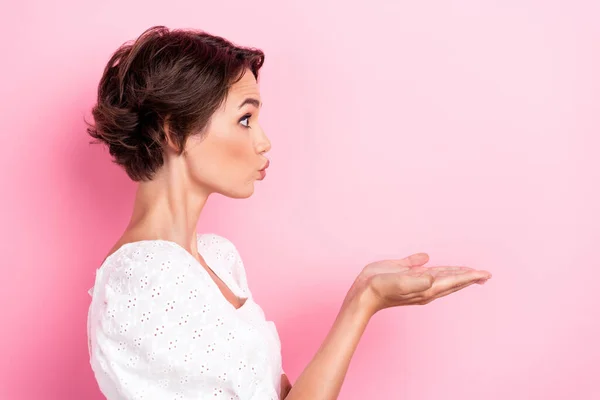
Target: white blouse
{"points": [[160, 328]]}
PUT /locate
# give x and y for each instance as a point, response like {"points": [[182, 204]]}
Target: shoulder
{"points": [[151, 283], [217, 244], [147, 267], [220, 252], [155, 314]]}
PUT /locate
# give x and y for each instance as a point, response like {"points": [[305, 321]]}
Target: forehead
{"points": [[242, 89]]}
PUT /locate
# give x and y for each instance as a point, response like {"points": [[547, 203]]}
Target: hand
{"points": [[392, 283]]}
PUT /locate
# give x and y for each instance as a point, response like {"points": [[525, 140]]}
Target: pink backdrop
{"points": [[467, 129]]}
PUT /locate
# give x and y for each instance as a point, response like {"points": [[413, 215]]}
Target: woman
{"points": [[171, 315]]}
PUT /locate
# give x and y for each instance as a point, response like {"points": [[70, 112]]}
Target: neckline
{"points": [[176, 245]]}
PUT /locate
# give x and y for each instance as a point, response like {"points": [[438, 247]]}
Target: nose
{"points": [[264, 144]]}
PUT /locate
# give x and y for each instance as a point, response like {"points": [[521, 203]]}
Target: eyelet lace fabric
{"points": [[160, 328]]}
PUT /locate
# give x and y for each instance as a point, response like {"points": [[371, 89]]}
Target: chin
{"points": [[240, 193]]}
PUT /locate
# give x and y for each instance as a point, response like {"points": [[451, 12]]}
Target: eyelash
{"points": [[247, 116]]}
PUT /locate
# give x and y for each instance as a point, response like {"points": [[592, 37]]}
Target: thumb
{"points": [[416, 282], [414, 260]]}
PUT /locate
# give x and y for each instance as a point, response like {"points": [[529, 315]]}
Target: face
{"points": [[229, 156]]}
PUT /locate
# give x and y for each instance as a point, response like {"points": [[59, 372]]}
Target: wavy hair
{"points": [[179, 77]]}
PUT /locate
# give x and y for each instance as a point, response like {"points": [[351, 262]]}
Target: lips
{"points": [[263, 171], [266, 166]]}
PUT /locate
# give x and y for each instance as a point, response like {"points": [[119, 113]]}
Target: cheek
{"points": [[234, 147], [231, 156], [237, 150]]}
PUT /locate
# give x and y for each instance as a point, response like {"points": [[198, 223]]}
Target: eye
{"points": [[245, 120]]}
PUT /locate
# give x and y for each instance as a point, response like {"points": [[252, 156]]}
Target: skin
{"points": [[226, 159]]}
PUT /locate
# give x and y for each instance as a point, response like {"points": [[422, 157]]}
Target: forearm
{"points": [[323, 377]]}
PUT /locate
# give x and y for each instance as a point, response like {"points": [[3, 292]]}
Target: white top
{"points": [[160, 328]]}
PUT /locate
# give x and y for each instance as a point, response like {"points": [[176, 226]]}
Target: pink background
{"points": [[467, 129]]}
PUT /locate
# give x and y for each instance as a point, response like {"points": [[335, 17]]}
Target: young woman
{"points": [[172, 316]]}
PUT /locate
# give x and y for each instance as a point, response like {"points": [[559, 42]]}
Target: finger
{"points": [[446, 282], [448, 270], [452, 290], [414, 260]]}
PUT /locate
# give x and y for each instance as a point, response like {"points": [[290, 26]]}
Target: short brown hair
{"points": [[177, 76]]}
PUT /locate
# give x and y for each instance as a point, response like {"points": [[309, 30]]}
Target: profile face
{"points": [[228, 157]]}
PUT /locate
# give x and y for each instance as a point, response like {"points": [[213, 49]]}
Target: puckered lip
{"points": [[265, 166]]}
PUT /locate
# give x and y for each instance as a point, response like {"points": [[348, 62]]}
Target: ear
{"points": [[171, 145]]}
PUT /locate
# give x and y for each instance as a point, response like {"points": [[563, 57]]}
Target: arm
{"points": [[380, 285], [323, 377]]}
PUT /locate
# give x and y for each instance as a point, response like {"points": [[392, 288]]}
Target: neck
{"points": [[167, 208]]}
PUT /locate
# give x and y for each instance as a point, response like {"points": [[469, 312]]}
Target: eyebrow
{"points": [[250, 100]]}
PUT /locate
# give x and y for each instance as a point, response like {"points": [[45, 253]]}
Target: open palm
{"points": [[408, 282]]}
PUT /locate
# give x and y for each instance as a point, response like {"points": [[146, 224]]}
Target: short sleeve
{"points": [[158, 321], [220, 251]]}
